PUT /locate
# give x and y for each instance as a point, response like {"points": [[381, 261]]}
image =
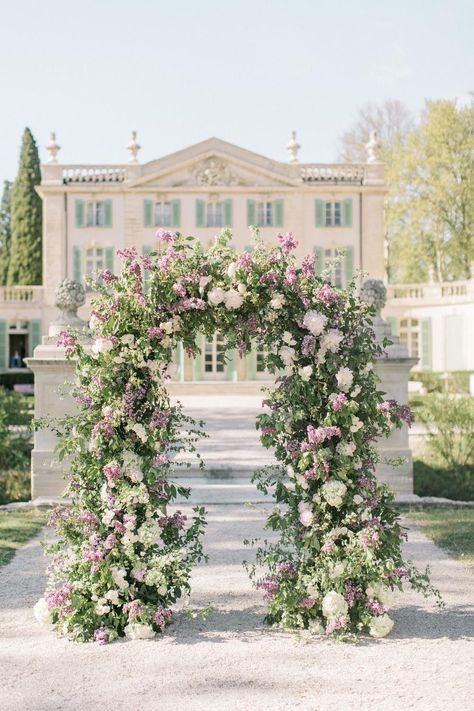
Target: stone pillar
{"points": [[392, 369], [54, 375]]}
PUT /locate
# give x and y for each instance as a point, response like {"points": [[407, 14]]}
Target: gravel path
{"points": [[230, 660]]}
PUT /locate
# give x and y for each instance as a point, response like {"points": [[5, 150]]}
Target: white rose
{"points": [[233, 300], [314, 322], [333, 491], [118, 576], [94, 323], [128, 339], [336, 570], [305, 373], [167, 326], [380, 626], [231, 269], [108, 517], [287, 354], [277, 301], [129, 538], [216, 296], [358, 499], [102, 345], [346, 448], [356, 424], [288, 338], [356, 391], [162, 590], [113, 596], [344, 378], [306, 518], [241, 288], [334, 605], [42, 613], [101, 608], [135, 630]]}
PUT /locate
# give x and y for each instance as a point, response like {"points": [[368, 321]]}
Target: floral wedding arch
{"points": [[122, 558]]}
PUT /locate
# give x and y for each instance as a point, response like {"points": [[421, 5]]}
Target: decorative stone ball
{"points": [[374, 292], [70, 295]]}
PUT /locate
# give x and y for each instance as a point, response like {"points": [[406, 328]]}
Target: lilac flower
{"points": [[285, 569], [307, 603], [155, 332], [336, 624], [179, 289], [290, 276], [110, 542], [269, 585], [162, 617], [127, 253], [352, 592], [101, 635], [159, 418], [270, 278], [307, 267], [160, 459], [287, 242], [68, 342], [337, 401], [165, 236], [107, 277], [244, 262], [375, 606], [308, 345], [325, 294], [134, 609]]}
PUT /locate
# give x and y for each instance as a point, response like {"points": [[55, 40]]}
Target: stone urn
{"points": [[69, 296]]}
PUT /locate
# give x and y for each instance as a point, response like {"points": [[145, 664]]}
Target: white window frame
{"points": [[215, 214], [333, 213], [410, 335], [214, 365], [336, 271], [265, 215], [163, 213], [95, 213], [94, 258]]}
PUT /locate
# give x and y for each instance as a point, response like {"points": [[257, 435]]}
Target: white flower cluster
{"points": [[306, 513], [380, 626], [382, 593], [42, 613], [314, 322], [334, 605], [132, 465], [334, 491], [344, 378], [136, 630], [232, 299]]}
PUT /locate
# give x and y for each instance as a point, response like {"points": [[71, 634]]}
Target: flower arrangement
{"points": [[123, 555]]}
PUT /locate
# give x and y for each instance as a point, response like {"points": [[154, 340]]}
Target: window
{"points": [[333, 213], [163, 215], [214, 357], [335, 267], [214, 214], [264, 214], [410, 335], [94, 260], [340, 266], [94, 213]]}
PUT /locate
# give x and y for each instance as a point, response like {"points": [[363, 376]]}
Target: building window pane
{"points": [[337, 213]]}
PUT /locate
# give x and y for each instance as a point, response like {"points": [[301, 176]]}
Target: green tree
{"points": [[5, 231], [25, 265]]}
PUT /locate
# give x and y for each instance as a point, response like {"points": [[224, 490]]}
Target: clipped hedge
{"points": [[17, 377]]}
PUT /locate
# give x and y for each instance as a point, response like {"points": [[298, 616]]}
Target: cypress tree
{"points": [[5, 231], [25, 265]]}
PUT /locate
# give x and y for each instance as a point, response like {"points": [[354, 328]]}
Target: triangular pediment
{"points": [[214, 163]]}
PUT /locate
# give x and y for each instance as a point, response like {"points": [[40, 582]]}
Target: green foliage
{"points": [[17, 377], [5, 231], [15, 433], [456, 382], [450, 423], [431, 478], [451, 529], [16, 528], [15, 485], [25, 265]]}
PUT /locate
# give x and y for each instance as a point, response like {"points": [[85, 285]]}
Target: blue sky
{"points": [[246, 71]]}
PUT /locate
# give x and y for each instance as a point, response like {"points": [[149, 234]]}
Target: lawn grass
{"points": [[450, 529], [16, 528]]}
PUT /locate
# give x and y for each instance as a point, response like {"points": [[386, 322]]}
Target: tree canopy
{"points": [[5, 231]]}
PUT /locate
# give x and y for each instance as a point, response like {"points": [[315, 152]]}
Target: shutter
{"points": [[80, 212], [278, 212], [348, 264], [319, 265], [251, 363], [454, 339], [176, 213], [392, 321], [179, 359], [77, 263], [3, 344], [200, 213], [148, 213], [231, 365], [34, 335], [249, 248], [347, 213], [107, 213], [228, 213], [319, 213], [251, 212], [109, 258], [198, 361], [426, 362]]}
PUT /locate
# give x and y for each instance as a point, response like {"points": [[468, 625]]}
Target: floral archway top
{"points": [[124, 556]]}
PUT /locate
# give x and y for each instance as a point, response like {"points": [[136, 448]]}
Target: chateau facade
{"points": [[90, 211]]}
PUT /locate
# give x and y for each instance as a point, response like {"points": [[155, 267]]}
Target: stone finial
{"points": [[293, 147], [68, 297], [374, 292], [52, 148], [372, 148], [133, 148]]}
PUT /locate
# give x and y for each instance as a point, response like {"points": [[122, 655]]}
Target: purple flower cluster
{"points": [[159, 418], [320, 434], [287, 243], [307, 267], [134, 609], [325, 294], [270, 278], [352, 592], [162, 617], [177, 519], [244, 262], [307, 603], [133, 399], [308, 345], [269, 585], [290, 276], [160, 459], [285, 569], [336, 624], [107, 277], [337, 402], [60, 600], [101, 635], [165, 236], [111, 472], [68, 342], [375, 607]]}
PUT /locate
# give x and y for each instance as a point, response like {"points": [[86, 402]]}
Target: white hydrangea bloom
{"points": [[135, 630], [334, 491], [331, 340], [380, 626], [287, 354], [334, 605], [277, 301], [305, 373], [42, 613], [288, 338], [344, 378], [233, 300], [356, 424], [231, 269], [216, 296], [382, 593], [314, 322]]}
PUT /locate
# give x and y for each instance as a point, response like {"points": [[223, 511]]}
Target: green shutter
{"points": [[198, 361], [107, 213], [3, 344], [278, 212], [392, 321], [426, 362], [148, 213], [347, 213], [176, 213], [251, 212], [348, 264], [34, 335], [179, 358], [231, 365], [77, 263], [251, 363], [109, 258], [319, 213], [249, 248], [200, 213], [80, 212], [319, 264], [228, 213]]}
